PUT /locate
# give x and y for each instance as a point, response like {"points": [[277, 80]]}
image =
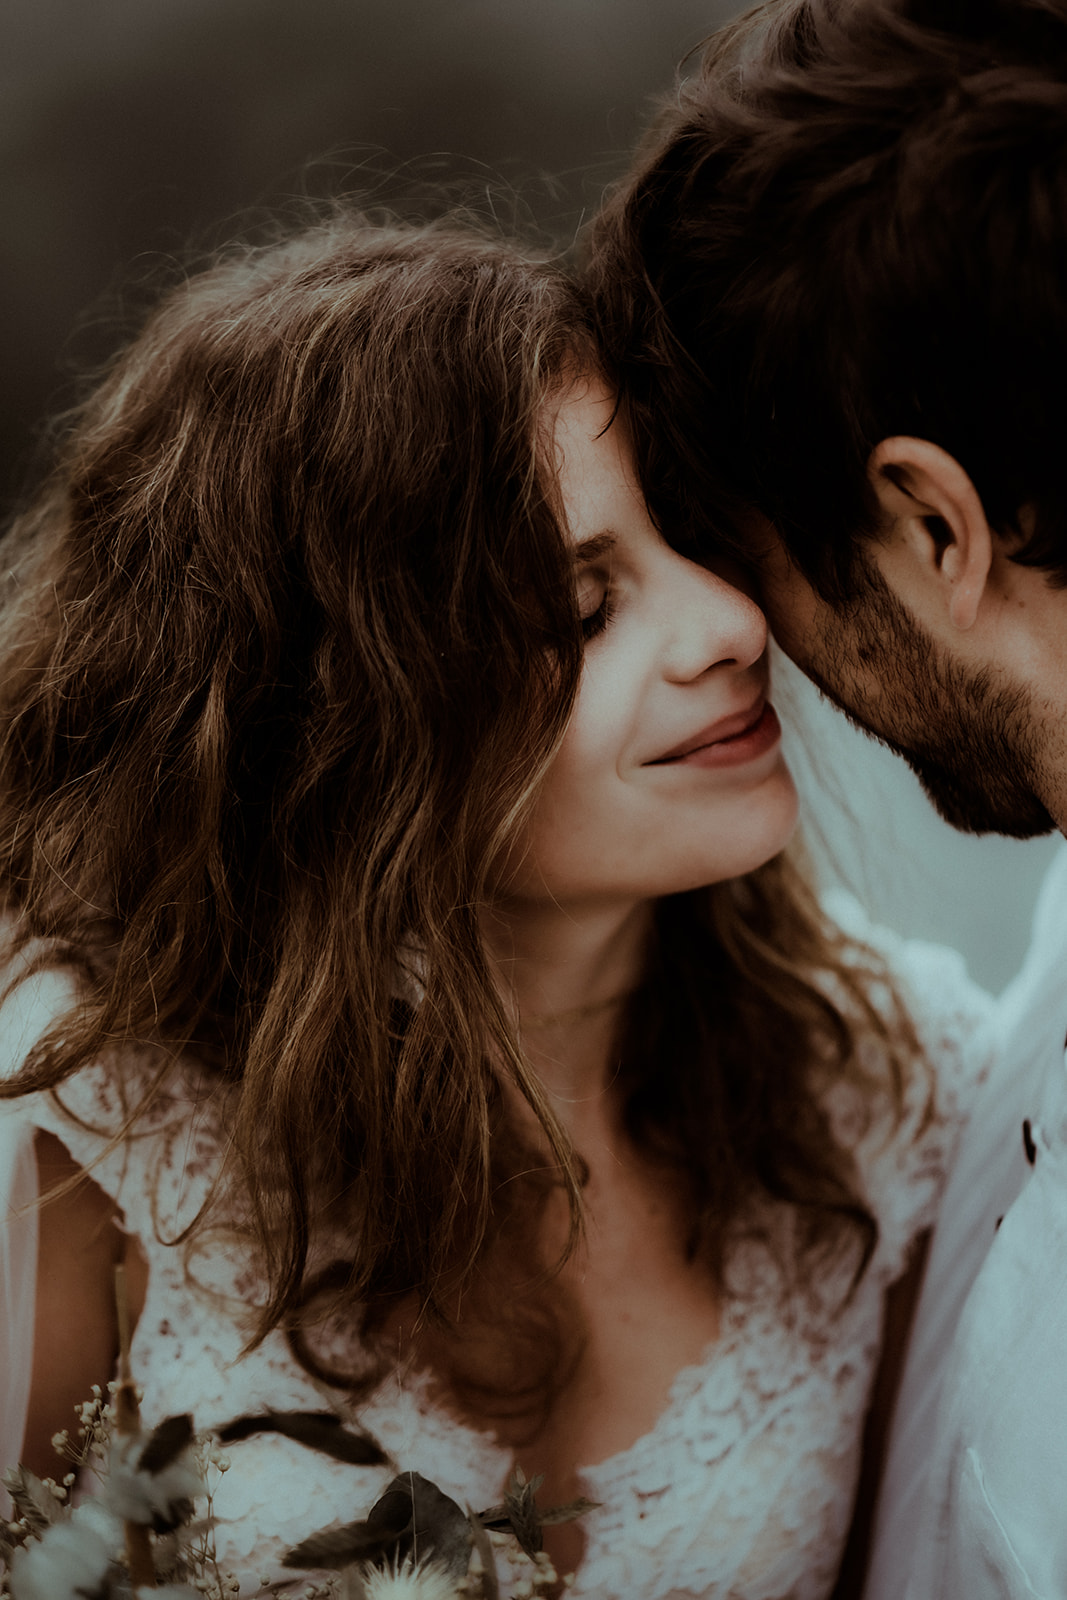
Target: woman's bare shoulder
{"points": [[75, 1341]]}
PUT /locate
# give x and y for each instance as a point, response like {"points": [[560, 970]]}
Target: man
{"points": [[835, 293]]}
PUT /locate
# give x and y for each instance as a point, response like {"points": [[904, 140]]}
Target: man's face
{"points": [[967, 733]]}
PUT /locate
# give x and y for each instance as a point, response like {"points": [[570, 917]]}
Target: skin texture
{"points": [[76, 1330], [948, 651], [673, 648]]}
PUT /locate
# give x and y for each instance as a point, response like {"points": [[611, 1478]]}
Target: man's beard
{"points": [[968, 739]]}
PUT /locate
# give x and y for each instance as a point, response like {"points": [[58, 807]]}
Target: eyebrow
{"points": [[601, 544]]}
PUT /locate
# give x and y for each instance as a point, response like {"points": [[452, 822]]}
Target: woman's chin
{"points": [[755, 832]]}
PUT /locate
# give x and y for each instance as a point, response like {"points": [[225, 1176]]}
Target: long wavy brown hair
{"points": [[291, 640]]}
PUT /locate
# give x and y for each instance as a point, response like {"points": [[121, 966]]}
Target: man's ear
{"points": [[925, 490]]}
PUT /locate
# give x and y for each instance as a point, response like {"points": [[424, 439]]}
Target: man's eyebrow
{"points": [[602, 544]]}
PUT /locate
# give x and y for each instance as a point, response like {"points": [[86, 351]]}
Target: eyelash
{"points": [[595, 623]]}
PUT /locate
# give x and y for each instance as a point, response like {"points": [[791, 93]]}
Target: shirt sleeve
{"points": [[904, 1160], [993, 1166]]}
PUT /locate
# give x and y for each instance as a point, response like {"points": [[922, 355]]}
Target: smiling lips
{"points": [[729, 742]]}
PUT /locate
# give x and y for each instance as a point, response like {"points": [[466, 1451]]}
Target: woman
{"points": [[393, 821]]}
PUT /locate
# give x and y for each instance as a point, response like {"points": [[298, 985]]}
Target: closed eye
{"points": [[593, 583], [594, 622]]}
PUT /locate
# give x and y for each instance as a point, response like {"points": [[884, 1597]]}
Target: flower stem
{"points": [[128, 1421]]}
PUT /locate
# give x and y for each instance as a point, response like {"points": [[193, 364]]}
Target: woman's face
{"points": [[670, 775]]}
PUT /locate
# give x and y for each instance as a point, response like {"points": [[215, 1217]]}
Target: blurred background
{"points": [[134, 131]]}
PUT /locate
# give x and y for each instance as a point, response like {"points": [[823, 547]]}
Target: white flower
{"points": [[71, 1558], [154, 1499], [408, 1581]]}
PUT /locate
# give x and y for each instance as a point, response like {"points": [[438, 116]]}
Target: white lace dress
{"points": [[742, 1489]]}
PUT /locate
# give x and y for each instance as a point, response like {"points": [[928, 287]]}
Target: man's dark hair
{"points": [[851, 224]]}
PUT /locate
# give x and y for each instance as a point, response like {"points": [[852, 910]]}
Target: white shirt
{"points": [[974, 1501]]}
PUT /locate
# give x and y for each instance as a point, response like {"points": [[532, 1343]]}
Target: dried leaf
{"points": [[522, 1511], [317, 1430], [569, 1512], [439, 1527], [31, 1499], [341, 1546], [496, 1518], [166, 1443], [412, 1518], [519, 1513], [392, 1514]]}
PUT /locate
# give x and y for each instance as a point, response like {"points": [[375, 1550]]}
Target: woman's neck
{"points": [[568, 974]]}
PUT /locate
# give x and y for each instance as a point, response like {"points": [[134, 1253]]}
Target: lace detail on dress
{"points": [[741, 1491], [761, 1422]]}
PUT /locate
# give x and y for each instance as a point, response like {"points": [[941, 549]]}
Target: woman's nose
{"points": [[712, 622]]}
